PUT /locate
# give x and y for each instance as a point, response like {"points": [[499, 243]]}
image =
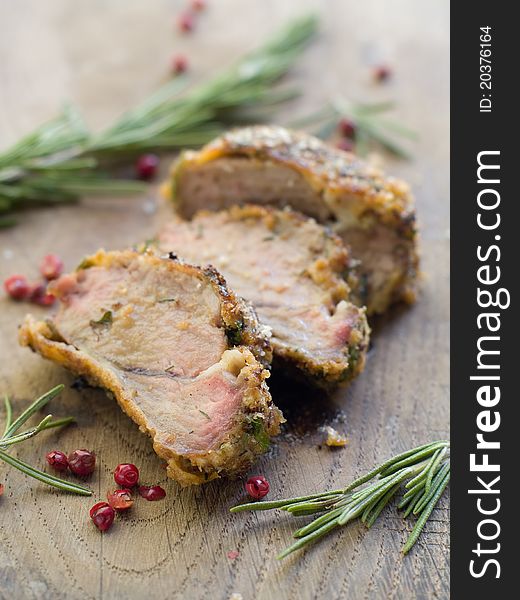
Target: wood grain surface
{"points": [[105, 56]]}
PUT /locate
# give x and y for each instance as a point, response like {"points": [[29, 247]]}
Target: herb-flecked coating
{"points": [[210, 413], [372, 212], [297, 274]]}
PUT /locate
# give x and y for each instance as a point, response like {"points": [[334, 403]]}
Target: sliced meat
{"points": [[374, 214], [177, 350], [293, 272]]}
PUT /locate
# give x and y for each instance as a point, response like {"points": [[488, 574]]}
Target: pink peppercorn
{"points": [[347, 128], [51, 266], [146, 166], [57, 460], [185, 22], [17, 287], [102, 514], [382, 73], [82, 462], [120, 499], [257, 487], [40, 296], [153, 492], [179, 64], [126, 475], [345, 144]]}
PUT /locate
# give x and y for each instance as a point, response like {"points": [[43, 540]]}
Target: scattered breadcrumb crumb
{"points": [[334, 438]]}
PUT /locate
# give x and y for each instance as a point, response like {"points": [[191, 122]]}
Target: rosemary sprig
{"points": [[373, 127], [28, 412], [423, 471], [203, 111], [8, 414], [62, 159], [61, 484], [9, 438]]}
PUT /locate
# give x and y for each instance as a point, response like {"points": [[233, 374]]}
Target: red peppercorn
{"points": [[179, 64], [347, 128], [185, 22], [51, 266], [198, 4], [1, 489], [96, 506], [146, 166], [257, 487], [103, 515], [126, 474], [17, 287], [120, 499], [346, 145], [152, 492], [382, 73], [40, 296], [82, 462], [57, 460]]}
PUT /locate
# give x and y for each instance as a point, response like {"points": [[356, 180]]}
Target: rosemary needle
{"points": [[62, 159], [372, 126], [51, 480], [8, 414], [10, 438], [33, 408], [424, 470]]}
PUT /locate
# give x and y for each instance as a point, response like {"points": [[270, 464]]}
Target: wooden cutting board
{"points": [[105, 57]]}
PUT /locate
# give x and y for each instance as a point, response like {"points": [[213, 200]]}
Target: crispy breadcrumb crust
{"points": [[241, 444], [349, 192], [333, 270]]}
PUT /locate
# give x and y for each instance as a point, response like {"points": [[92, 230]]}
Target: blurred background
{"points": [[106, 56]]}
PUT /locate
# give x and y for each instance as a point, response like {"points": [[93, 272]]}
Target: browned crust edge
{"points": [[257, 407], [327, 169], [333, 271], [331, 173]]}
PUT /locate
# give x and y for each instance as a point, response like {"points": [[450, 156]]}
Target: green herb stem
{"points": [[8, 414], [33, 408], [10, 439], [425, 514], [62, 159], [21, 437], [56, 482], [372, 127], [423, 472]]}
